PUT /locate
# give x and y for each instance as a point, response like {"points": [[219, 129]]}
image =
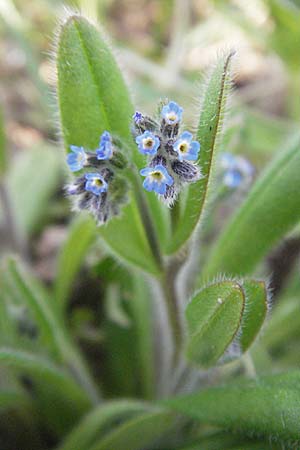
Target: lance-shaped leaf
{"points": [[254, 313], [267, 406], [210, 125], [92, 98], [213, 318], [100, 420], [79, 240], [29, 292], [269, 212], [137, 433]]}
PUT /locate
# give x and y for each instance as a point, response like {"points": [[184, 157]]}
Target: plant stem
{"points": [[148, 223], [169, 290]]}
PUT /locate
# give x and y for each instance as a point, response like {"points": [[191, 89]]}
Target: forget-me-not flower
{"points": [[137, 117], [186, 148], [148, 143], [77, 159], [237, 170], [171, 113], [157, 179], [95, 183], [105, 149]]}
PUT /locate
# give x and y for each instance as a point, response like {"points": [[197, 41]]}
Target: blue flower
{"points": [[228, 161], [137, 117], [186, 148], [105, 149], [148, 143], [172, 113], [77, 159], [237, 170], [232, 178], [95, 183], [157, 179]]}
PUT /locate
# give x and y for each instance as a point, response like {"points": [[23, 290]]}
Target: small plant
{"points": [[146, 187]]}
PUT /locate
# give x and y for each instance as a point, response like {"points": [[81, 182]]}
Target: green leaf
{"points": [[213, 319], [31, 182], [210, 125], [141, 308], [137, 433], [3, 157], [92, 98], [271, 209], [42, 370], [50, 324], [81, 235], [99, 421], [255, 311], [53, 387], [268, 406]]}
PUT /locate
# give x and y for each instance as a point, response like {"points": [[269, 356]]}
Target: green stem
{"points": [[149, 226], [169, 290]]}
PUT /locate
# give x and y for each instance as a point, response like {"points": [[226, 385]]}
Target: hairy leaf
{"points": [[209, 128], [92, 98], [254, 313], [269, 212], [268, 406], [213, 319]]}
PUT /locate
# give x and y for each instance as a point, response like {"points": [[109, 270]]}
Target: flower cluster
{"points": [[99, 188], [237, 171], [171, 156]]}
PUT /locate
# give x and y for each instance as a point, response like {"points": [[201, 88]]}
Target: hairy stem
{"points": [[148, 222], [168, 284]]}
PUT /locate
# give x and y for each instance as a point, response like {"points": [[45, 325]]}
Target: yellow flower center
{"points": [[148, 142], [172, 116], [157, 175], [183, 147], [98, 182]]}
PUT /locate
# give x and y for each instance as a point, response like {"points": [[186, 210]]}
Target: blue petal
{"points": [[233, 179], [160, 188], [186, 136], [76, 149], [148, 184], [146, 171]]}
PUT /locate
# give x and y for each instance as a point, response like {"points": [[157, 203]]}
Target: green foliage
{"points": [[254, 313], [100, 420], [137, 433], [209, 128], [263, 219], [31, 181], [92, 98], [268, 406], [213, 317], [87, 360], [80, 238]]}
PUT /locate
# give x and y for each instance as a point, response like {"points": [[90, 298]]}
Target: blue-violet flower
{"points": [[157, 179], [77, 159], [148, 143], [186, 148], [95, 183], [171, 113], [105, 149]]}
